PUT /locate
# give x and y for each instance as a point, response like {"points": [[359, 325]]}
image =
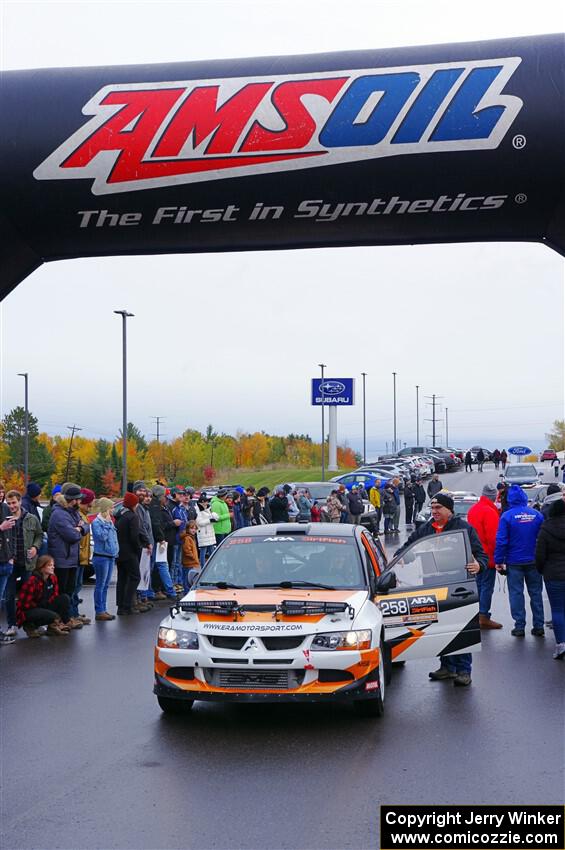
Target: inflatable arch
{"points": [[452, 143]]}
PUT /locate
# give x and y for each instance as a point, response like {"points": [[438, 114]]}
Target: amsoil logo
{"points": [[148, 135]]}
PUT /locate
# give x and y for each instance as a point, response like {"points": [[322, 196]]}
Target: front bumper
{"points": [[353, 691]]}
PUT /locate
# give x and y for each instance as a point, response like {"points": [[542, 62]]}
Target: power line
{"points": [[158, 420], [72, 429], [433, 420]]}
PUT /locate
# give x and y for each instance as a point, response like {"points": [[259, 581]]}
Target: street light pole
{"points": [[24, 375], [446, 427], [417, 415], [322, 367], [394, 408], [125, 315], [364, 421]]}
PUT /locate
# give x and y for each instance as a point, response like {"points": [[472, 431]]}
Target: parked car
{"points": [[475, 449], [523, 474], [463, 501], [548, 454], [440, 465]]}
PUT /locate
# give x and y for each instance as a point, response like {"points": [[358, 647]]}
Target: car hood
{"points": [[270, 620]]}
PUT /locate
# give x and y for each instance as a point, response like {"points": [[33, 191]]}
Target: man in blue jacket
{"points": [[515, 552]]}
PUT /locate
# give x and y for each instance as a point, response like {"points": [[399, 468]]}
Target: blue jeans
{"points": [[177, 570], [205, 552], [485, 583], [103, 568], [6, 571], [165, 576], [76, 593], [556, 594], [458, 663], [517, 575]]}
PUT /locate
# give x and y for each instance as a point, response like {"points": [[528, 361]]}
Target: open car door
{"points": [[432, 607]]}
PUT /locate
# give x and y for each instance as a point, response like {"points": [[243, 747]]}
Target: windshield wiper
{"points": [[221, 585], [291, 584]]}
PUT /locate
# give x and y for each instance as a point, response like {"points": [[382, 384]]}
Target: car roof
{"points": [[316, 529]]}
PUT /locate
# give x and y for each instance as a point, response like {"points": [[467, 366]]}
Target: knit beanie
{"points": [[139, 485], [33, 489], [104, 505], [130, 501], [158, 490], [489, 490], [444, 500], [88, 496], [553, 488], [557, 508], [56, 489]]}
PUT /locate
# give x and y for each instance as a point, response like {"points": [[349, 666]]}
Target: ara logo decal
{"points": [[149, 135]]}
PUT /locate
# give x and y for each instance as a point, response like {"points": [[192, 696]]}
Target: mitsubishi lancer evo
{"points": [[313, 612]]}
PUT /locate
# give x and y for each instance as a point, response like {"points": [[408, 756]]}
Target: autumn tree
{"points": [[556, 437], [41, 465]]}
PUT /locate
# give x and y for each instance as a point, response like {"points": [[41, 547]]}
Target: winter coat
{"points": [[131, 539], [46, 515], [518, 530], [409, 494], [356, 506], [305, 507], [206, 535], [334, 507], [30, 506], [33, 593], [375, 497], [179, 511], [427, 529], [105, 538], [484, 518], [219, 507], [434, 487], [144, 518], [279, 508], [389, 502], [5, 548], [162, 522], [550, 549], [419, 494], [32, 536], [63, 539], [480, 456], [84, 546], [190, 556], [261, 510]]}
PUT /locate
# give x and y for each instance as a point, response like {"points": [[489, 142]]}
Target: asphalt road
{"points": [[89, 761]]}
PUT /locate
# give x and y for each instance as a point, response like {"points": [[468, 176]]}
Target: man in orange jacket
{"points": [[484, 518]]}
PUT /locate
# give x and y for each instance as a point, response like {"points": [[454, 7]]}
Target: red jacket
{"points": [[31, 595], [484, 518]]}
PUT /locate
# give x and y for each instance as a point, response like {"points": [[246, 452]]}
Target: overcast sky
{"points": [[234, 339]]}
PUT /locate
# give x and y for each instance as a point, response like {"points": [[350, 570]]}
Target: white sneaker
{"points": [[558, 654], [11, 632]]}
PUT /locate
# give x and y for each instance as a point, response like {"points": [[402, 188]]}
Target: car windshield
{"points": [[317, 490], [523, 470], [461, 508], [303, 560]]}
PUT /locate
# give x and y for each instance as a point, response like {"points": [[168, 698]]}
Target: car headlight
{"points": [[176, 639], [342, 640]]}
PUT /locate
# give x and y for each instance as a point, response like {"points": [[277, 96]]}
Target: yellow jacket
{"points": [[375, 497]]}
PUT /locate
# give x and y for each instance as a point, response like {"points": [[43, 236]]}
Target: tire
{"points": [[374, 707], [175, 706]]}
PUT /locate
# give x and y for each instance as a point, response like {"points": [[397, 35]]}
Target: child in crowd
{"points": [[190, 555]]}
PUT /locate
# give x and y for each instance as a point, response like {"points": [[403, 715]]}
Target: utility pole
{"points": [[72, 429], [417, 415], [158, 420], [433, 420], [24, 375], [322, 367], [394, 448], [364, 421], [125, 315]]}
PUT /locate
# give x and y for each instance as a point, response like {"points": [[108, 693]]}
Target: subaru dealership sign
{"points": [[333, 391]]}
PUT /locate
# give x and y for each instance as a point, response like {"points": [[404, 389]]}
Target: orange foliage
{"points": [[15, 481], [346, 458]]}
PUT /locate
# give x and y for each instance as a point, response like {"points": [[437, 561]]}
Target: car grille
{"points": [[227, 641], [276, 680], [274, 643]]}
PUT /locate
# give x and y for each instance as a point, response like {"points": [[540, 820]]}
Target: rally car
{"points": [[313, 612]]}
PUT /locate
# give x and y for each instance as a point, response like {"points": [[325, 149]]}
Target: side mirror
{"points": [[386, 582]]}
